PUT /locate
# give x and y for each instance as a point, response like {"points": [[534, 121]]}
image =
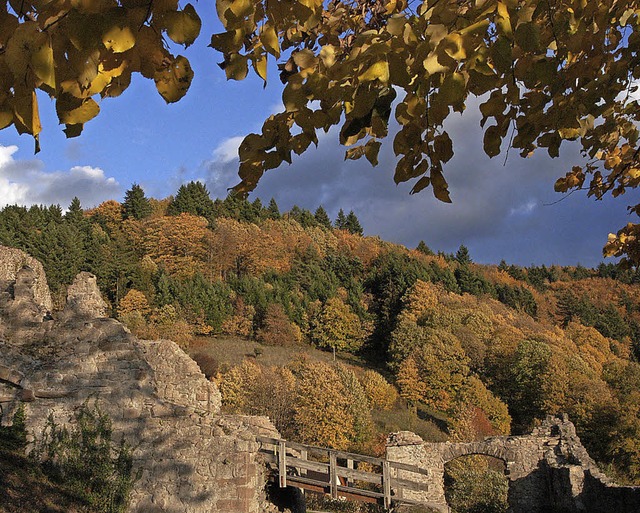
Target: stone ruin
{"points": [[548, 470], [190, 458]]}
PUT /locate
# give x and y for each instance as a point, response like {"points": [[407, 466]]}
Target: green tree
{"points": [[423, 248], [192, 198], [462, 255], [322, 218], [352, 224], [273, 212], [341, 220], [75, 213], [136, 205]]}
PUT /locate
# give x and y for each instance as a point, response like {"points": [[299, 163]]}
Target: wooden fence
{"points": [[340, 474]]}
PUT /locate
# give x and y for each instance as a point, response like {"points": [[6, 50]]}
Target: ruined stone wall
{"points": [[548, 470], [191, 458], [11, 261]]}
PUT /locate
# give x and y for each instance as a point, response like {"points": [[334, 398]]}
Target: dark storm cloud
{"points": [[499, 210]]}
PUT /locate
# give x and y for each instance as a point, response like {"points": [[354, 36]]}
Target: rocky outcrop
{"points": [[84, 300], [190, 458], [11, 261]]}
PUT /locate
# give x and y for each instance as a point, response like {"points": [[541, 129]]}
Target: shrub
{"points": [[14, 437], [86, 461]]}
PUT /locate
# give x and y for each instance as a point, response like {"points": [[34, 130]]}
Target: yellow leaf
{"points": [[439, 185], [269, 39], [85, 111], [454, 46], [378, 70], [453, 88], [371, 150], [328, 55], [27, 115], [503, 20], [240, 8], [173, 81], [118, 39], [6, 118], [260, 66], [395, 25], [432, 65], [305, 59], [43, 65], [183, 27], [235, 67]]}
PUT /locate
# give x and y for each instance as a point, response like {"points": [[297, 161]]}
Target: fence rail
{"points": [[338, 473]]}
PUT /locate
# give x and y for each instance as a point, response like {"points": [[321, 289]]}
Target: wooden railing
{"points": [[340, 474]]}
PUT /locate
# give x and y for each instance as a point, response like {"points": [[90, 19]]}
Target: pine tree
{"points": [[192, 198], [341, 220], [75, 213], [273, 212], [136, 205], [462, 255], [423, 248], [322, 218], [352, 224]]}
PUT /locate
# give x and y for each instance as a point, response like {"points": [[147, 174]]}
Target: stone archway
{"points": [[476, 482]]}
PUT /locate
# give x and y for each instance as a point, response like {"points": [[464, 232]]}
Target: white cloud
{"points": [[26, 182]]}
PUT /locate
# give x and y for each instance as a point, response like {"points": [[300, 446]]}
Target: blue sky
{"points": [[500, 211]]}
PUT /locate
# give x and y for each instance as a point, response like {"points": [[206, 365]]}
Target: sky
{"points": [[501, 209]]}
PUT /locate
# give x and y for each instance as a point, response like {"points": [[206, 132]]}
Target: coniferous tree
{"points": [[273, 212], [423, 248], [341, 220], [136, 205], [192, 198], [462, 255], [352, 224], [75, 213], [306, 218], [322, 218], [295, 213]]}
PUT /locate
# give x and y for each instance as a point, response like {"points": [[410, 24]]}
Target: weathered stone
{"points": [[548, 470], [11, 261], [84, 299], [191, 459]]}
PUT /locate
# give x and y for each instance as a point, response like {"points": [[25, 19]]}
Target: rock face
{"points": [[11, 261], [190, 457], [84, 299], [548, 470]]}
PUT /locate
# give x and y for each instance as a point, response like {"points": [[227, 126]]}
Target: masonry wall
{"points": [[191, 459], [548, 470]]}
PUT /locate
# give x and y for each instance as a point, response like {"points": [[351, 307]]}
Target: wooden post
{"points": [[282, 463], [303, 471], [333, 477], [349, 466], [386, 484]]}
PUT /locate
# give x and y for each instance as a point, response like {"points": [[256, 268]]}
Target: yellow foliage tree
{"points": [[134, 301]]}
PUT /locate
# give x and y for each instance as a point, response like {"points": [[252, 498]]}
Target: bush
{"points": [[86, 461], [14, 437]]}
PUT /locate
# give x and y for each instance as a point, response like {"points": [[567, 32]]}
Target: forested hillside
{"points": [[433, 338]]}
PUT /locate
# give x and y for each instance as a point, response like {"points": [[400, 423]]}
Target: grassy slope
{"points": [[228, 352]]}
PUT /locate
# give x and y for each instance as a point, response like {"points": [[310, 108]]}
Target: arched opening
{"points": [[476, 483]]}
